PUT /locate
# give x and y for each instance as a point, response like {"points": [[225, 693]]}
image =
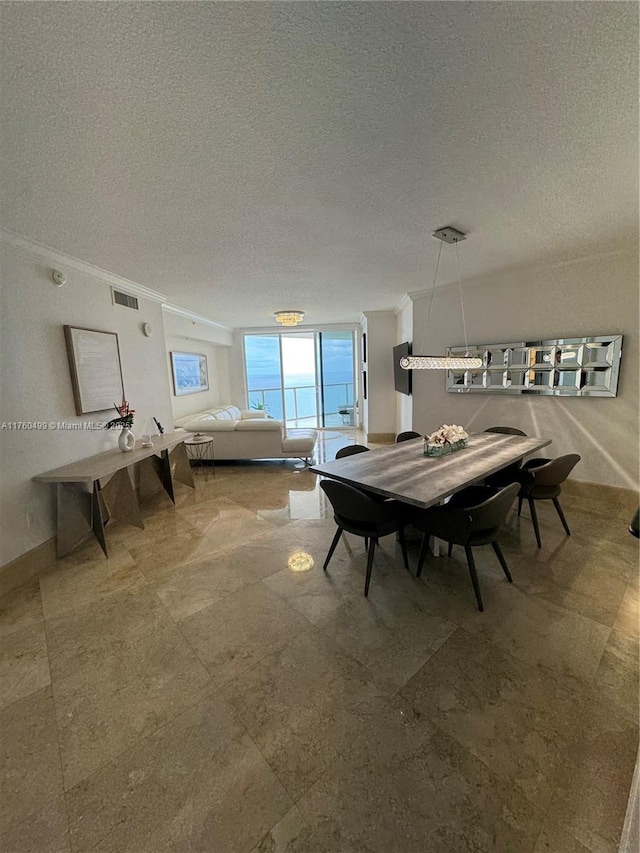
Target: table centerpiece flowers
{"points": [[446, 439]]}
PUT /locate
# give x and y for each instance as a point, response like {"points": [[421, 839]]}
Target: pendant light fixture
{"points": [[289, 318], [442, 362]]}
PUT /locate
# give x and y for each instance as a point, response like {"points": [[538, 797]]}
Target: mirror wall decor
{"points": [[575, 367]]}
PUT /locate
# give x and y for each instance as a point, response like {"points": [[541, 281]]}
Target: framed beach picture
{"points": [[96, 373], [189, 372]]}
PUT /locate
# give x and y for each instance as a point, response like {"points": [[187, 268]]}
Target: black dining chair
{"points": [[470, 518], [509, 474], [541, 480], [407, 435], [359, 513], [506, 430], [350, 449]]}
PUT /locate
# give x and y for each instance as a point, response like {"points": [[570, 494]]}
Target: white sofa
{"points": [[249, 435]]}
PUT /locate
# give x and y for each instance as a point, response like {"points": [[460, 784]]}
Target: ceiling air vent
{"points": [[120, 298]]}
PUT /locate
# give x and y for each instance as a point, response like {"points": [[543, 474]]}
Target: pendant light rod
{"points": [[434, 362]]}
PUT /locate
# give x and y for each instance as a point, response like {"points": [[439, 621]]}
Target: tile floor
{"points": [[193, 693]]}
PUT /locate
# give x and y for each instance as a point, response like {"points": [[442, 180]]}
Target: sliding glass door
{"points": [[337, 381], [306, 379]]}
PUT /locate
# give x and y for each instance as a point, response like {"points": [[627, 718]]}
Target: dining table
{"points": [[403, 471]]}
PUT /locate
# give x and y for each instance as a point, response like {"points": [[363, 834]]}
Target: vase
{"points": [[126, 440], [443, 449]]}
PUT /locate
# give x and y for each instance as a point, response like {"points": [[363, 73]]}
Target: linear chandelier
{"points": [[289, 318], [443, 362]]}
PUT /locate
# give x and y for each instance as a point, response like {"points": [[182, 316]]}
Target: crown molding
{"points": [[544, 264], [405, 302], [388, 312], [299, 329], [61, 259], [170, 308]]}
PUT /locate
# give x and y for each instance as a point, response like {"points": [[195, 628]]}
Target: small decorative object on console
{"points": [[126, 439], [446, 439]]}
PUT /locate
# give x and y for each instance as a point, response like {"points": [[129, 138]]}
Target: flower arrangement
{"points": [[447, 434], [125, 418], [445, 439]]}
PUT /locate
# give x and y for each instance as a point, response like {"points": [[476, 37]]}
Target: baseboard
{"points": [[626, 499], [381, 437], [27, 566]]}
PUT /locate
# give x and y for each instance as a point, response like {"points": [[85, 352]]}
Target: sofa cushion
{"points": [[251, 425], [209, 424], [234, 412], [222, 415], [301, 441]]}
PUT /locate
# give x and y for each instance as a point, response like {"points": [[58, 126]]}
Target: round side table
{"points": [[198, 451]]}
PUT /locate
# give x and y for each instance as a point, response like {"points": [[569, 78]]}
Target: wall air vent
{"points": [[120, 298]]}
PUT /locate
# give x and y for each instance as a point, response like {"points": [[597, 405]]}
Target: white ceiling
{"points": [[247, 157]]}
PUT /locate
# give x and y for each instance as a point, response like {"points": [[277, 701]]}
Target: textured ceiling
{"points": [[246, 157]]}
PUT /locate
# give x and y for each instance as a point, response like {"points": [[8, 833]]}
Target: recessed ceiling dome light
{"points": [[289, 318]]}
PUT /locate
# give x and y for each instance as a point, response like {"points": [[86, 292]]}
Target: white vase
{"points": [[126, 440]]}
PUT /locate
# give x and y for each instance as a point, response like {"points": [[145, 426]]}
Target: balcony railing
{"points": [[302, 409]]}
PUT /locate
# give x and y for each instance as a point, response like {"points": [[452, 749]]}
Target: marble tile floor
{"points": [[202, 691]]}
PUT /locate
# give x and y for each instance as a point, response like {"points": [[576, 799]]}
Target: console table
{"points": [[100, 488]]}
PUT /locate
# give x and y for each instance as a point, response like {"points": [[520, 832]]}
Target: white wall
{"points": [[588, 296], [36, 385], [404, 402], [380, 406], [236, 372]]}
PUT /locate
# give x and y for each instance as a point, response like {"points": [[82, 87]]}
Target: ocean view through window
{"points": [[303, 378]]}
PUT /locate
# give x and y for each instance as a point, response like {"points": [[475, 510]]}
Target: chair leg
{"points": [[474, 576], [333, 547], [450, 549], [403, 546], [556, 504], [366, 543], [534, 518], [424, 547], [503, 562], [520, 505], [371, 552]]}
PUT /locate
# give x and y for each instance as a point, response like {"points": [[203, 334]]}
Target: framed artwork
{"points": [[96, 372], [189, 372]]}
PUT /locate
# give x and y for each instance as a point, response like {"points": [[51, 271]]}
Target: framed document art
{"points": [[189, 370], [96, 372]]}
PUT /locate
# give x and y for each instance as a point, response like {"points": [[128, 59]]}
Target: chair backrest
{"points": [[491, 513], [506, 430], [350, 449], [555, 471], [407, 435], [352, 504]]}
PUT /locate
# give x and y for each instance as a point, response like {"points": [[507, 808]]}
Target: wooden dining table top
{"points": [[402, 471]]}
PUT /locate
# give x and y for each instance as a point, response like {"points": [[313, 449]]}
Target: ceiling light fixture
{"points": [[289, 318], [441, 362]]}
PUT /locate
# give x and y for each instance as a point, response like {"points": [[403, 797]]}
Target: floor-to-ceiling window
{"points": [[303, 378]]}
